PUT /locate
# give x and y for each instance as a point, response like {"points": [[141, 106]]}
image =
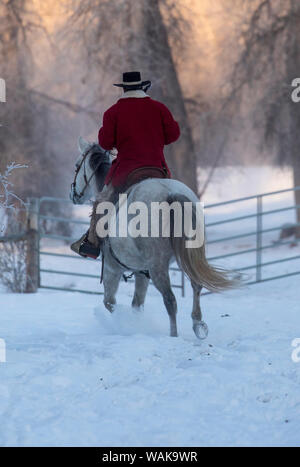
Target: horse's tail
{"points": [[193, 260]]}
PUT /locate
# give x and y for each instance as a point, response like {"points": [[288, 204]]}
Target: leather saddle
{"points": [[142, 173], [137, 176]]}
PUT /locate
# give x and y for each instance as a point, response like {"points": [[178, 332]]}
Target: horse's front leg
{"points": [[111, 279], [141, 286]]}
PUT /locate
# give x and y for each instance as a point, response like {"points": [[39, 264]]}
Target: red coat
{"points": [[138, 127]]}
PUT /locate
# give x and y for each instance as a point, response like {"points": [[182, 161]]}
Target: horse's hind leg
{"points": [[200, 327], [141, 286], [111, 281], [161, 280]]}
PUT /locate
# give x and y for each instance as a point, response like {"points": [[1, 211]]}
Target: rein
{"points": [[86, 180], [146, 273]]}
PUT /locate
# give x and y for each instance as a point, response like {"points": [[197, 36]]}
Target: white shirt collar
{"points": [[134, 93]]}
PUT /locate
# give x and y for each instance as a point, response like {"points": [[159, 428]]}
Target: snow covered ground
{"points": [[75, 375]]}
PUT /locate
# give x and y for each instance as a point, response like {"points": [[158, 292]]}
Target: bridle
{"points": [[75, 197]]}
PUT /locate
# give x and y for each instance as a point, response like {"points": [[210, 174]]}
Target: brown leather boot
{"points": [[85, 248]]}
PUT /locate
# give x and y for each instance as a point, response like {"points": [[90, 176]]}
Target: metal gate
{"points": [[260, 241], [260, 232], [44, 251]]}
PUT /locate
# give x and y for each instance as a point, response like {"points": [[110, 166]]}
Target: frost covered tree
{"points": [[8, 198], [12, 252]]}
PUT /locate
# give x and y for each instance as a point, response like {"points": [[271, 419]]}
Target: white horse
{"points": [[149, 257]]}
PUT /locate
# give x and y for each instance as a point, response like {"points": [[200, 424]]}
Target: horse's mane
{"points": [[99, 161]]}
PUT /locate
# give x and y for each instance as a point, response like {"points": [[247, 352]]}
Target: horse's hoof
{"points": [[110, 306], [200, 329], [137, 309]]}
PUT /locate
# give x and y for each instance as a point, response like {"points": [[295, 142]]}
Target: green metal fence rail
{"points": [[257, 233]]}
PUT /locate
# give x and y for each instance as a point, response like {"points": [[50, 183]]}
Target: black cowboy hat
{"points": [[133, 79]]}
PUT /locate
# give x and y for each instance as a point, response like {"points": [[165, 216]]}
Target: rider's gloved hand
{"points": [[113, 153]]}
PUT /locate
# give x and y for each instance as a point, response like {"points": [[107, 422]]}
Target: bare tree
{"points": [[268, 62], [16, 114], [118, 35], [24, 117], [24, 131], [13, 258], [12, 253]]}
